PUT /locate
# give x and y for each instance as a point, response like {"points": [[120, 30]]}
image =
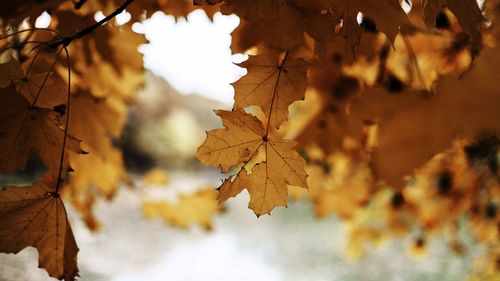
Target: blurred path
{"points": [[289, 245]]}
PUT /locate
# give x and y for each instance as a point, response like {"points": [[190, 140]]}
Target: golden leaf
{"points": [[239, 143], [273, 83], [268, 182]]}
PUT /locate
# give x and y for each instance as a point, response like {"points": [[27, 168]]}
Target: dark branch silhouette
{"points": [[66, 40]]}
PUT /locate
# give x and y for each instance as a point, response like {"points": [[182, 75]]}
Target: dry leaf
{"points": [[275, 23], [35, 216], [467, 12], [25, 127], [273, 82], [413, 127], [239, 144]]}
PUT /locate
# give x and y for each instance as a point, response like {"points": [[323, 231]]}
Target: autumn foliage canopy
{"points": [[382, 112]]}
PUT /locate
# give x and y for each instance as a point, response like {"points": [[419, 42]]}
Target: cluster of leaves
{"points": [[64, 92], [388, 137], [398, 132]]}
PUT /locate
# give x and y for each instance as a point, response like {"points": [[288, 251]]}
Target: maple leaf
{"points": [[281, 24], [9, 72], [95, 121], [30, 119], [106, 62], [95, 176], [330, 123], [239, 143], [16, 11], [43, 89], [198, 207], [267, 185], [273, 83], [388, 15], [143, 9], [467, 12], [339, 184], [35, 216], [275, 23], [99, 173], [321, 18], [413, 127]]}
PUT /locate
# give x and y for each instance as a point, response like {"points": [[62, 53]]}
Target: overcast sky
{"points": [[193, 54]]}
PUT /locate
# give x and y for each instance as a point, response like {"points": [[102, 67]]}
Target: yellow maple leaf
{"points": [[273, 83], [240, 143]]}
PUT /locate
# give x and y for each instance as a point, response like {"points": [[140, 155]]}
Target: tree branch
{"points": [[66, 40]]}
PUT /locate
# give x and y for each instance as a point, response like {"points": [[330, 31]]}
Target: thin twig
{"points": [[25, 43], [59, 173], [26, 30], [66, 40], [31, 64]]}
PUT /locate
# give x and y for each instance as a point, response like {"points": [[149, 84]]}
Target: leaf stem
{"points": [[31, 63], [26, 30], [59, 173]]}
